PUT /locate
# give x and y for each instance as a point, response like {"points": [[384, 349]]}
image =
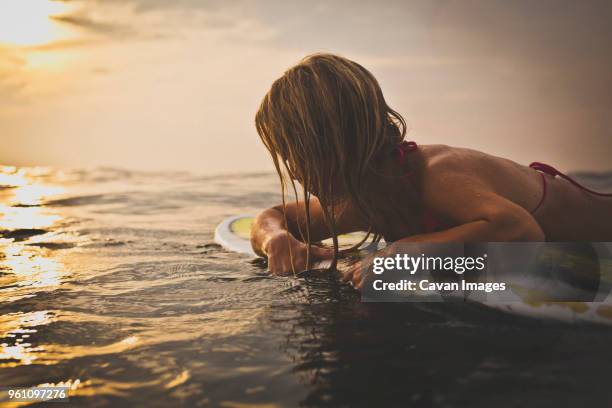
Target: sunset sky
{"points": [[158, 84]]}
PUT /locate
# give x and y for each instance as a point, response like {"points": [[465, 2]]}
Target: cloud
{"points": [[561, 46], [89, 24]]}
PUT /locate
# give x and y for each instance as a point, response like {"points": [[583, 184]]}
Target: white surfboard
{"points": [[234, 233]]}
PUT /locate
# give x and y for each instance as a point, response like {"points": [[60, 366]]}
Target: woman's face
{"points": [[312, 188], [332, 196]]}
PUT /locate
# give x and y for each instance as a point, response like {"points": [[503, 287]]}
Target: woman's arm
{"points": [[501, 224], [480, 215], [499, 221], [280, 241]]}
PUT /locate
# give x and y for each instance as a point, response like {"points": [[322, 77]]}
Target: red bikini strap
{"points": [[543, 198], [429, 222], [405, 147], [545, 168]]}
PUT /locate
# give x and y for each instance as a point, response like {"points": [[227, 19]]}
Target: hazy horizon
{"points": [[155, 85]]}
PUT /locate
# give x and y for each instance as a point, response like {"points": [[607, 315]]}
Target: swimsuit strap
{"points": [[550, 170], [405, 147], [543, 193], [429, 222]]}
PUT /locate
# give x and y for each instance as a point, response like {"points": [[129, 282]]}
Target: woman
{"points": [[327, 126]]}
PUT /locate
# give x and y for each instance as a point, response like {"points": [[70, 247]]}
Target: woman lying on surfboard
{"points": [[327, 126]]}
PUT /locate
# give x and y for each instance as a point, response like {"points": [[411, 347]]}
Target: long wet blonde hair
{"points": [[326, 124]]}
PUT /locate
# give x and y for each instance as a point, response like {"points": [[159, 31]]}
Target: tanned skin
{"points": [[482, 197]]}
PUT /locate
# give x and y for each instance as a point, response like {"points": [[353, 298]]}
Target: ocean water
{"points": [[110, 283]]}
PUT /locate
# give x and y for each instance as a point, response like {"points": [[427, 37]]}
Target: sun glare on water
{"points": [[29, 22]]}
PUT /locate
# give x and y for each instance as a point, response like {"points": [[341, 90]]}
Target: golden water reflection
{"points": [[16, 328], [31, 220], [13, 218], [26, 269]]}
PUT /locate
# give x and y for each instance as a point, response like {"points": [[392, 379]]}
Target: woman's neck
{"points": [[394, 196]]}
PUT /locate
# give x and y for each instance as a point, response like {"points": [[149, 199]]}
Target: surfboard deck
{"points": [[233, 234]]}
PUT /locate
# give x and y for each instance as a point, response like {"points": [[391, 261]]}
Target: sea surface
{"points": [[111, 284]]}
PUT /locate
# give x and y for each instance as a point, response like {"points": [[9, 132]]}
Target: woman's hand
{"points": [[353, 274], [282, 247], [360, 271]]}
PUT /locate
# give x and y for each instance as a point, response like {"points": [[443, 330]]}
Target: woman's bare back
{"points": [[567, 212]]}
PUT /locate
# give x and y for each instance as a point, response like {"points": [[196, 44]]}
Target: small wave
{"points": [[596, 180], [109, 242], [53, 245], [77, 201], [22, 234]]}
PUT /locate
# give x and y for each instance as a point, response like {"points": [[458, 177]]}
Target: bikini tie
{"points": [[405, 147], [550, 170]]}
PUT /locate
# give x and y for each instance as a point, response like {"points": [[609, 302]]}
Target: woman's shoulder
{"points": [[445, 158], [461, 172], [447, 168]]}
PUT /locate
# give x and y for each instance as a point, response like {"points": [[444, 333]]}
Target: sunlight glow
{"points": [[32, 269], [23, 198], [12, 218], [25, 269], [28, 22], [14, 327], [11, 177], [34, 194]]}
